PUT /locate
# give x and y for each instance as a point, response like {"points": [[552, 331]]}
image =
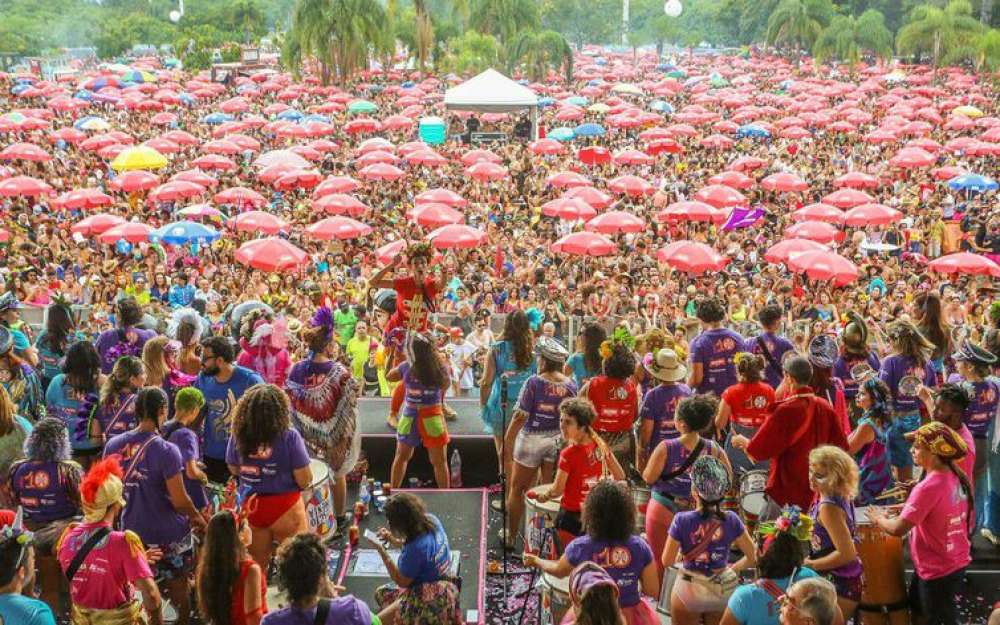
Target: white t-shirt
{"points": [[458, 355]]}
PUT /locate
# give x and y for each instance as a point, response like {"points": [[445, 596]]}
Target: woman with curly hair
{"points": [[46, 485], [610, 542], [230, 586], [127, 339], [270, 459], [616, 400], [867, 443], [69, 393], [586, 361]]}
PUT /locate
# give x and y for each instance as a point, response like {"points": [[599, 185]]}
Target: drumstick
{"points": [[893, 492]]}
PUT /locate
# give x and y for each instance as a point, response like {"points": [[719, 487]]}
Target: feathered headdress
{"points": [[995, 312], [22, 537], [101, 488], [323, 318], [188, 315], [535, 318], [791, 521]]}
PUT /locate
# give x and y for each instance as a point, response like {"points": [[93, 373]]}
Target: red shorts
{"points": [[267, 509]]}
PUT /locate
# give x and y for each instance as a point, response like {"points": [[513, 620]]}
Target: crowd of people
{"points": [[158, 427]]}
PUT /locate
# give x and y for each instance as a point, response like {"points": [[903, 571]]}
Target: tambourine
{"points": [[861, 372], [908, 385]]}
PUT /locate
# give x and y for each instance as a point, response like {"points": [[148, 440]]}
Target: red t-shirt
{"points": [[582, 469], [616, 402], [407, 290], [749, 402]]}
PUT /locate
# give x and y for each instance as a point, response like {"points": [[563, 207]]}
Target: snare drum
{"points": [[640, 495], [752, 497], [319, 500], [539, 517], [555, 598], [883, 599]]}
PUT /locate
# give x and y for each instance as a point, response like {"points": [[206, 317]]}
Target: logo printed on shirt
{"points": [[37, 479], [263, 453]]}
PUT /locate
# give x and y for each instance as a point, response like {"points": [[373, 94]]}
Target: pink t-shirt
{"points": [[939, 541], [104, 580], [969, 460]]}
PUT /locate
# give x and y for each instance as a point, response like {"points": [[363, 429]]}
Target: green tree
{"points": [[540, 52], [340, 34], [504, 19], [988, 51], [473, 53], [247, 18], [943, 33], [424, 39], [586, 21], [798, 23], [848, 37]]}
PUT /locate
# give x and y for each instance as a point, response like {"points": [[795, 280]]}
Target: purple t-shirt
{"points": [[659, 405], [343, 611], [540, 399], [979, 415], [44, 491], [894, 369], [269, 471], [842, 370], [624, 562], [822, 544], [778, 346], [117, 417], [148, 511], [677, 453], [689, 528], [417, 395], [714, 350], [186, 441], [113, 344]]}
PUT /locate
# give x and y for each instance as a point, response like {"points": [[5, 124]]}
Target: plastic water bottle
{"points": [[364, 495], [456, 469]]}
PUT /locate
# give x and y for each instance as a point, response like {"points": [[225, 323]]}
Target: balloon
{"points": [[175, 16], [672, 8]]}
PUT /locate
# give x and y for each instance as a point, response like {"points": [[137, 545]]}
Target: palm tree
{"points": [[504, 19], [340, 34], [988, 51], [541, 51], [249, 16], [798, 22], [848, 37], [942, 32], [424, 35], [473, 52]]}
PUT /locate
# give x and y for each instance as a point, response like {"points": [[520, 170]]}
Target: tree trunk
{"points": [[986, 12]]}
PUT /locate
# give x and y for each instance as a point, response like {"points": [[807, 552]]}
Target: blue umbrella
{"points": [[290, 115], [523, 82], [661, 106], [600, 61], [247, 88], [589, 130], [409, 84], [186, 98], [562, 133], [184, 232], [973, 182], [315, 117], [18, 89], [751, 130], [83, 120], [595, 82], [546, 101], [83, 94], [216, 118], [576, 100]]}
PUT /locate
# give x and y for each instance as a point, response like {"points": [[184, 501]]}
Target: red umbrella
{"points": [[478, 156], [633, 157], [135, 180], [96, 224], [97, 142], [180, 137], [871, 214], [825, 266], [176, 190], [336, 184], [546, 146], [435, 215], [720, 196], [257, 221], [947, 172], [965, 263], [691, 257], [716, 142], [337, 228], [382, 171], [654, 148], [847, 198], [214, 161], [485, 170], [631, 185], [596, 198], [594, 155], [441, 196], [362, 125], [427, 158], [781, 251], [820, 212], [733, 179], [568, 180], [376, 144], [613, 222], [814, 231], [69, 135], [298, 179], [784, 182], [387, 253], [221, 146], [240, 196], [456, 236], [83, 198], [24, 186], [909, 158], [24, 152], [271, 254], [397, 122], [163, 146], [568, 208], [585, 244], [130, 231], [691, 211], [856, 180], [196, 176], [340, 204], [747, 163], [376, 156], [4, 236]]}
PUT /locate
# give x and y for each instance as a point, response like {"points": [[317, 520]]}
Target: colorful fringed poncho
{"points": [[323, 398]]}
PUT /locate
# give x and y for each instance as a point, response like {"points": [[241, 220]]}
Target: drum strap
{"points": [[885, 608], [322, 612], [767, 353], [687, 462], [85, 550]]}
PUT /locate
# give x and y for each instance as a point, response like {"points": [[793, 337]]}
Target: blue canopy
{"points": [[409, 84], [290, 114], [216, 118], [589, 130], [563, 133], [186, 98], [751, 130], [973, 182], [595, 82], [184, 232]]}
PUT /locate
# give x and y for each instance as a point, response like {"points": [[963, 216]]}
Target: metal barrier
{"points": [[37, 316]]}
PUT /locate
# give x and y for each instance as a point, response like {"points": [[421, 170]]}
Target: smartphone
{"points": [[372, 536]]}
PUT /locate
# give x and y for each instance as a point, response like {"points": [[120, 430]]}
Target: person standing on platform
{"points": [[793, 428], [223, 384]]}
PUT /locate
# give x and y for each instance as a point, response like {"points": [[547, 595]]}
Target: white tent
{"points": [[492, 92]]}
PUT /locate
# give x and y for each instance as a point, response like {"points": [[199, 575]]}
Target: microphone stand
{"points": [[503, 488]]}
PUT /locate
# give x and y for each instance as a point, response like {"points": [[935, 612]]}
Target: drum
{"points": [[319, 500], [555, 598], [167, 611], [539, 517], [883, 600], [640, 495], [752, 497]]}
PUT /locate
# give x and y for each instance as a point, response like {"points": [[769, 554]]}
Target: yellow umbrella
{"points": [[139, 157], [628, 88], [600, 107], [968, 111]]}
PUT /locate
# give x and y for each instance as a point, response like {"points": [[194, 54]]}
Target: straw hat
{"points": [[667, 367]]}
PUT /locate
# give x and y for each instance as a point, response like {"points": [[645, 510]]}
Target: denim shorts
{"points": [[533, 449], [898, 446]]}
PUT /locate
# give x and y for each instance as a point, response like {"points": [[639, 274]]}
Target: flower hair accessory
{"points": [[16, 532], [620, 336], [791, 521], [739, 356]]}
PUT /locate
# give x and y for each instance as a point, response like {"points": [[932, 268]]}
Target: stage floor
{"points": [[372, 413]]}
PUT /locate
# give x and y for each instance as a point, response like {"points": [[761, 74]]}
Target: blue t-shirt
{"points": [[24, 610], [580, 372], [65, 402], [426, 558], [752, 604], [220, 401]]}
